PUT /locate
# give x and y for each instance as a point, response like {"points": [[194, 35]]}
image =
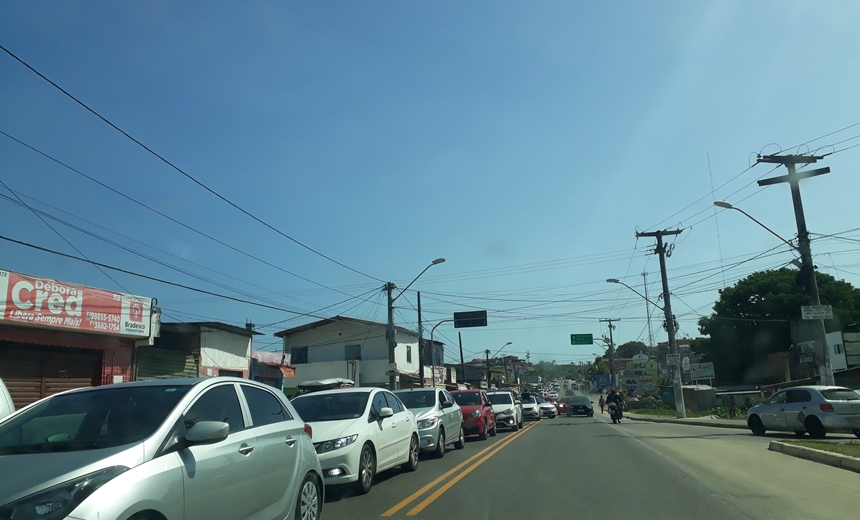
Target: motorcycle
{"points": [[615, 413]]}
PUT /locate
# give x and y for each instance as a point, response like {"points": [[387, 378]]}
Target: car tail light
{"points": [[826, 407], [309, 431]]}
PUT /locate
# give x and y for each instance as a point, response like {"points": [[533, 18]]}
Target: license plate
{"points": [[853, 420]]}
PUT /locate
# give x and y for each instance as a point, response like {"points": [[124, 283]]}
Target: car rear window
{"points": [[840, 394], [579, 400], [470, 398]]}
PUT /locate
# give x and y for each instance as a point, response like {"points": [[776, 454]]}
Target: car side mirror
{"points": [[385, 412], [447, 404], [207, 432]]}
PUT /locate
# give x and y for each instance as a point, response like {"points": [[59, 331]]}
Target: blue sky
{"points": [[524, 142]]}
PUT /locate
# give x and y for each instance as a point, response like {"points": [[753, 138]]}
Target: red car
{"points": [[478, 416], [561, 405]]}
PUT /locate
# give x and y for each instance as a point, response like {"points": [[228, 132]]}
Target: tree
{"points": [[631, 348], [752, 319]]}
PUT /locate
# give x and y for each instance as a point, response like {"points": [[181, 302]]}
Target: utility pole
{"points": [[648, 310], [462, 361], [421, 345], [612, 373], [806, 278], [661, 250], [487, 353], [389, 336]]}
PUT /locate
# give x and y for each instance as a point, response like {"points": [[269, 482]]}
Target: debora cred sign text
{"points": [[48, 303]]}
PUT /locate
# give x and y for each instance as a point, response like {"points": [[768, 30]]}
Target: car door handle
{"points": [[290, 442], [244, 450]]}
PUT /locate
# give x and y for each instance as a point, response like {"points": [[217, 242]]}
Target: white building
{"points": [[354, 349]]}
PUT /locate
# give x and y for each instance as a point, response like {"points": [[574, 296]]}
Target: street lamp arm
{"points": [[503, 346], [726, 205], [613, 280], [434, 262]]}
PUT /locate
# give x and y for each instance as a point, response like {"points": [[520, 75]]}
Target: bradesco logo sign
{"points": [[49, 303]]}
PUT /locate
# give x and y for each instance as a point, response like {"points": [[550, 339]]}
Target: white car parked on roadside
{"points": [[818, 410], [359, 432]]}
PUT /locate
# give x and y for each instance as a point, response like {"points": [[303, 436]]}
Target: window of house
{"points": [[352, 352], [408, 353], [299, 355]]}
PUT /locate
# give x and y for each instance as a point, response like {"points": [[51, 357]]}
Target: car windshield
{"points": [[501, 399], [88, 420], [540, 400], [840, 394], [467, 398], [331, 407], [580, 399], [418, 399], [529, 400]]}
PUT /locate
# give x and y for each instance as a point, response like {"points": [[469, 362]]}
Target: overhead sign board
{"points": [[581, 339], [817, 312], [673, 359], [470, 319], [701, 371], [42, 302]]}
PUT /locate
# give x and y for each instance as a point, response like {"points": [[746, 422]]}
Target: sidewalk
{"points": [[739, 423]]}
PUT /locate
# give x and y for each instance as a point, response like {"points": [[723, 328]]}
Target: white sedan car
{"points": [[359, 432], [818, 410]]}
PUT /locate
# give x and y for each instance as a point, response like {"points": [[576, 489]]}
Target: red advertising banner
{"points": [[42, 302]]}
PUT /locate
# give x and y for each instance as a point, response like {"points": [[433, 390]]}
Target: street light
{"points": [[727, 205], [616, 280], [494, 357], [389, 329]]}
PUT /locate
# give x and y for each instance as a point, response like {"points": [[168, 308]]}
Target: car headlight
{"points": [[476, 413], [58, 501], [326, 446], [430, 422]]}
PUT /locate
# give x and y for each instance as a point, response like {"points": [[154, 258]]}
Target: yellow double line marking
{"points": [[495, 448]]}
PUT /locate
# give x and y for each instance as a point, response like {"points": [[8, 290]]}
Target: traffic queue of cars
{"points": [[198, 448]]}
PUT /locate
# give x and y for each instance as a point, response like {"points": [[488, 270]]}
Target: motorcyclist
{"points": [[615, 397]]}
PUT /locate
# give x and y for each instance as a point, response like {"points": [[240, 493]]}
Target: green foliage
{"points": [[631, 348], [751, 319]]}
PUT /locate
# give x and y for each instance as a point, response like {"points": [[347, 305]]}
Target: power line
{"points": [[180, 170], [175, 221]]}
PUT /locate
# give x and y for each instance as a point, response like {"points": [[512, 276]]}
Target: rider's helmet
{"points": [[612, 391]]}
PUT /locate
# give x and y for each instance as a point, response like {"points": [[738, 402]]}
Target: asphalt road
{"points": [[589, 468]]}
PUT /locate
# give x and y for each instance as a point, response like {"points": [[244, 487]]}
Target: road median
{"points": [[693, 421], [836, 460]]}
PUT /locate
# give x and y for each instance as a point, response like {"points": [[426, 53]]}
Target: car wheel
{"points": [[412, 461], [440, 445], [756, 426], [815, 428], [482, 434], [492, 431], [856, 433], [800, 433], [366, 470], [461, 442], [309, 506], [515, 427], [521, 424]]}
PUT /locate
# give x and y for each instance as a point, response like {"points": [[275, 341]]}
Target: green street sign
{"points": [[581, 339]]}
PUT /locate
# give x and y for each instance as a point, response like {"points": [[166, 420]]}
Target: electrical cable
{"points": [[180, 170]]}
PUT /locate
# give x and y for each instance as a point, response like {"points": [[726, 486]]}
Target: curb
{"points": [[822, 457], [686, 422]]}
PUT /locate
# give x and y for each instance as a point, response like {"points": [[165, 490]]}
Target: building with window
{"points": [[355, 349]]}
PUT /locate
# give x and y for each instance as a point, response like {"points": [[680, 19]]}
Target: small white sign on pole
{"points": [[816, 312], [673, 359]]}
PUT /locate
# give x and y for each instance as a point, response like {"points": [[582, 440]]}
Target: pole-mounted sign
{"points": [[470, 319]]}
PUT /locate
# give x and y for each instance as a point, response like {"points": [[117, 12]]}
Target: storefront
{"points": [[56, 336]]}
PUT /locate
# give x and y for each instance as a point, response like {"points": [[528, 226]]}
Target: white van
{"points": [[6, 406]]}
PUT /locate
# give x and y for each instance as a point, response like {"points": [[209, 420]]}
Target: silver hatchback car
{"points": [[440, 420], [183, 448], [818, 410]]}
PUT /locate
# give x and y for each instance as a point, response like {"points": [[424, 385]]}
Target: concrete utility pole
{"points": [[680, 408], [462, 361], [389, 336], [648, 310], [487, 353], [421, 345], [806, 278], [612, 373]]}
